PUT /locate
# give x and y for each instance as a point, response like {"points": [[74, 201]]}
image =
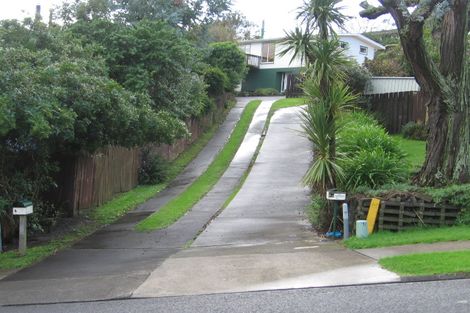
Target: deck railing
{"points": [[253, 60]]}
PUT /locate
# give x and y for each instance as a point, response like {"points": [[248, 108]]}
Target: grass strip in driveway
{"points": [[412, 236], [427, 264], [279, 104], [178, 206]]}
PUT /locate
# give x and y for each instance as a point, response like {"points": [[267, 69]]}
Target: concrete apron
{"points": [[262, 240]]}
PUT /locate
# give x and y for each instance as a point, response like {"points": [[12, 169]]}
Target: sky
{"points": [[279, 15]]}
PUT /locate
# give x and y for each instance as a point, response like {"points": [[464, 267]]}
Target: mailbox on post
{"points": [[337, 197], [23, 208]]}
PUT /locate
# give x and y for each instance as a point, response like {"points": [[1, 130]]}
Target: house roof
{"points": [[357, 36]]}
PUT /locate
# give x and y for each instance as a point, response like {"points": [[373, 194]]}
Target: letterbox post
{"points": [[23, 209]]}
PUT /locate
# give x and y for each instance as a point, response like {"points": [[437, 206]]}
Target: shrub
{"points": [[372, 158], [230, 59], [263, 92], [314, 211], [355, 138], [356, 77], [458, 195], [216, 80], [373, 168], [153, 170], [417, 131]]}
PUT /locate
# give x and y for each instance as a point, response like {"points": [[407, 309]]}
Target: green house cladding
{"points": [[267, 78]]}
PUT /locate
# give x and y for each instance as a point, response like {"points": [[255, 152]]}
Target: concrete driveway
{"points": [[262, 240]]}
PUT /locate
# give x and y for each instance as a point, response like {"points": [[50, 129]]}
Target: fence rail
{"points": [[402, 215]]}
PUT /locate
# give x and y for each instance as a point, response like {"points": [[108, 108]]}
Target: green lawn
{"points": [[107, 213], [424, 264], [179, 205], [418, 235], [286, 103], [415, 149]]}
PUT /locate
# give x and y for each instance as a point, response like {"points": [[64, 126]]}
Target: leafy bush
{"points": [[373, 168], [216, 80], [372, 158], [356, 77], [417, 131], [355, 138], [315, 211], [458, 195], [263, 92], [153, 169], [230, 59]]}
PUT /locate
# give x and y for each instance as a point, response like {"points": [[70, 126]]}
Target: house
{"points": [[269, 70]]}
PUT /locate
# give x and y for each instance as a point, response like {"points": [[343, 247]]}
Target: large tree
{"points": [[445, 84]]}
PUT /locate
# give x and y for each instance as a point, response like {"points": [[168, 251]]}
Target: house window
{"points": [[344, 45], [363, 50], [267, 52]]}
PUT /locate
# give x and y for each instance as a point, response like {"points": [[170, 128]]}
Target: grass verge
{"points": [[426, 264], [412, 236], [107, 213], [415, 150], [179, 205]]}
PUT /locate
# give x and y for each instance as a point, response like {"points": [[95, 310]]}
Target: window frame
{"points": [[366, 52], [263, 58]]}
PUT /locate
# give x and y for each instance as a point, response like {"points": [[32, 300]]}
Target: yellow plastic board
{"points": [[372, 215]]}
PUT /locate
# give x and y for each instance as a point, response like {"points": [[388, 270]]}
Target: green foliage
{"points": [[372, 157], [457, 195], [417, 131], [184, 14], [153, 58], [263, 92], [298, 43], [314, 211], [372, 168], [320, 121], [216, 80], [389, 62], [356, 77], [323, 15], [153, 169], [230, 59]]}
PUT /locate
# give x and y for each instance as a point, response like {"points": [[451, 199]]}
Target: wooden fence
{"points": [[88, 180], [397, 109], [396, 215]]}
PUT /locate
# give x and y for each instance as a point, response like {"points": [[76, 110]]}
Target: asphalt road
{"points": [[430, 297]]}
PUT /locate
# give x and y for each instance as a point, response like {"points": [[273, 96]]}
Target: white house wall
{"points": [[354, 49]]}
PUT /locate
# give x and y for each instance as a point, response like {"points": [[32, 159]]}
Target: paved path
{"points": [[262, 239], [114, 261]]}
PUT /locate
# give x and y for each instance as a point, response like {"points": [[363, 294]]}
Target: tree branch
{"points": [[424, 9], [371, 12]]}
